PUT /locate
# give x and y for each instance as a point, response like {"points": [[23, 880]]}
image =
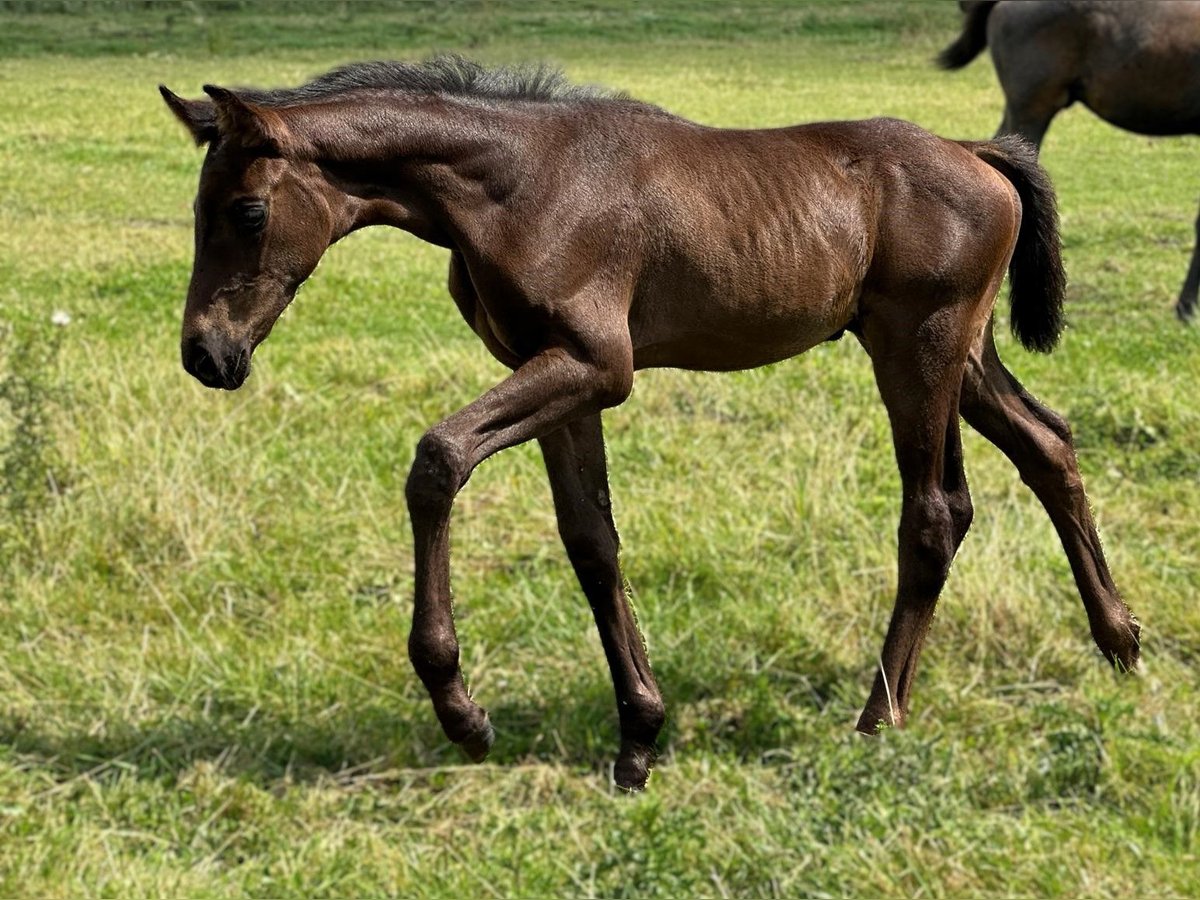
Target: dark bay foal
{"points": [[590, 236]]}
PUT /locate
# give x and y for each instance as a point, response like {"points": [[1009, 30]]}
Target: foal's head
{"points": [[264, 217]]}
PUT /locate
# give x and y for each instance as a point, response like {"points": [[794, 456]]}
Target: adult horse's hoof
{"points": [[633, 766], [478, 744]]}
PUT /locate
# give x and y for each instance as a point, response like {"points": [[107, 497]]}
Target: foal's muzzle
{"points": [[227, 368]]}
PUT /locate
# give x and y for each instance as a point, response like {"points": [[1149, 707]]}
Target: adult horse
{"points": [[1135, 65], [590, 236]]}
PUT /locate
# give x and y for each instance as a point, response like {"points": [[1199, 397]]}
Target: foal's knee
{"points": [[437, 473]]}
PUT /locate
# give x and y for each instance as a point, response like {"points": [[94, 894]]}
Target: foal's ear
{"points": [[199, 116], [255, 127]]}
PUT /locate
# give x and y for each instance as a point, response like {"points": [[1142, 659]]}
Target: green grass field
{"points": [[205, 684]]}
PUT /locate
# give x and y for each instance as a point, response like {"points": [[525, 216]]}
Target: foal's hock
{"points": [[590, 236]]}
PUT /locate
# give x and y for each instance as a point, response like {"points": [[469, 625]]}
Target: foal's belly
{"points": [[720, 353], [751, 270], [724, 332]]}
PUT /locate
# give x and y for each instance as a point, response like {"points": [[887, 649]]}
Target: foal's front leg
{"points": [[552, 388], [579, 479]]}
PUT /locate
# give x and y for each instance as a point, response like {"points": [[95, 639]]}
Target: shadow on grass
{"points": [[743, 715]]}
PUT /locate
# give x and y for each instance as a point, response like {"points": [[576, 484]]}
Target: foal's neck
{"points": [[428, 165]]}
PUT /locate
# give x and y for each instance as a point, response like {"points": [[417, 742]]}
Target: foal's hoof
{"points": [[1185, 312], [478, 744], [633, 766], [873, 721], [1124, 650]]}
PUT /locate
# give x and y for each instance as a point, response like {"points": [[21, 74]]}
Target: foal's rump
{"points": [[953, 214]]}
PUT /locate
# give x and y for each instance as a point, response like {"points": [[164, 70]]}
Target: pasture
{"points": [[205, 606]]}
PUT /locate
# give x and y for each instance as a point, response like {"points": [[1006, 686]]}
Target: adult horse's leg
{"points": [[1038, 441], [1028, 123], [554, 387], [919, 382], [579, 480], [1186, 307], [1037, 85]]}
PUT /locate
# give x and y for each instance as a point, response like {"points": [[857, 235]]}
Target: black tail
{"points": [[973, 39], [1036, 278]]}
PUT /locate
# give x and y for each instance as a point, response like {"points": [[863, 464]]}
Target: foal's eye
{"points": [[249, 215]]}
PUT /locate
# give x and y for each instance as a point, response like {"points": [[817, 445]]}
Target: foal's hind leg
{"points": [[954, 482], [578, 478], [1038, 442], [890, 695], [919, 383]]}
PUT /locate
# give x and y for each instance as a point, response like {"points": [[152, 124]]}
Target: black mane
{"points": [[449, 74]]}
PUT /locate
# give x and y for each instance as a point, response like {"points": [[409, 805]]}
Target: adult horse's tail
{"points": [[970, 43], [1036, 278]]}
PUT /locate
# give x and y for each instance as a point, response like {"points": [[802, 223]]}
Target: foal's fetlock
{"points": [[633, 765], [478, 742], [1122, 645], [467, 724], [874, 721]]}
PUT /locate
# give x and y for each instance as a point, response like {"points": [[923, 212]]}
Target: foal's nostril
{"points": [[239, 368], [199, 364], [206, 366], [226, 369]]}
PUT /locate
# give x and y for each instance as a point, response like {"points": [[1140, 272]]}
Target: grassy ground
{"points": [[202, 653]]}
